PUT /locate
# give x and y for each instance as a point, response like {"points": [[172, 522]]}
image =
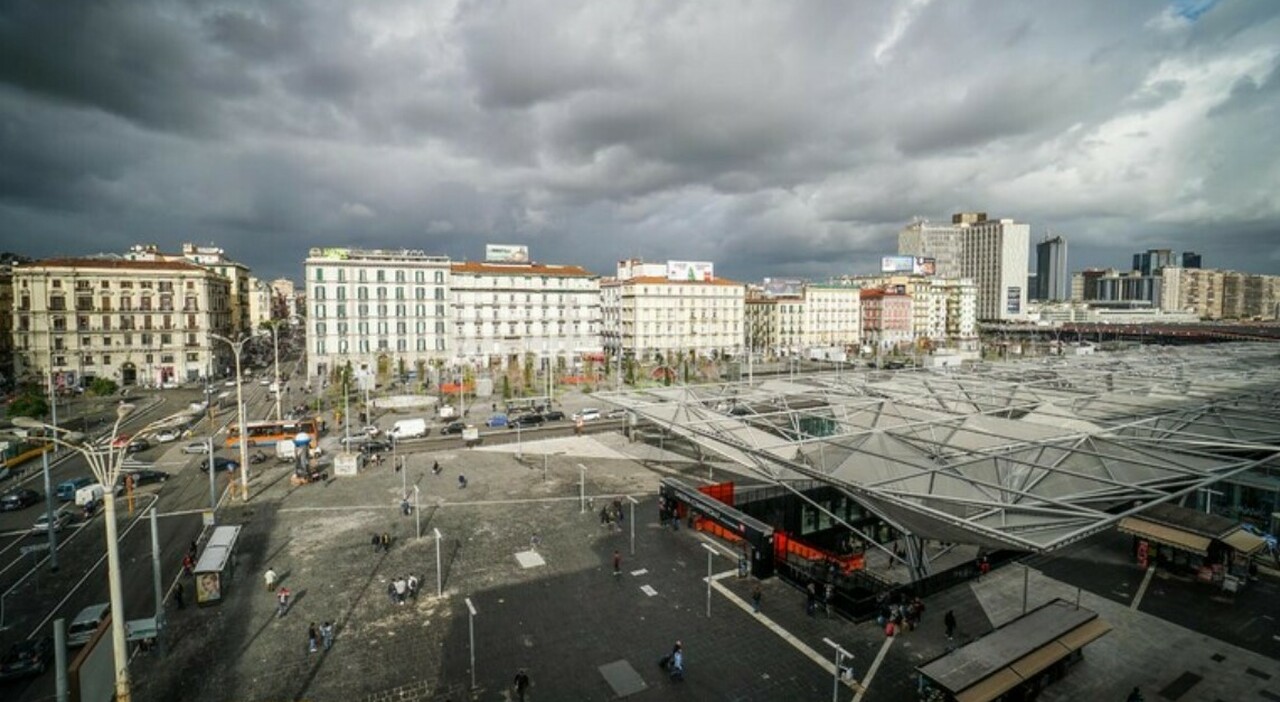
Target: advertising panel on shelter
{"points": [[897, 264], [690, 270], [506, 253]]}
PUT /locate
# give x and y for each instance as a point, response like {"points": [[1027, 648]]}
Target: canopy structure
{"points": [[1028, 454]]}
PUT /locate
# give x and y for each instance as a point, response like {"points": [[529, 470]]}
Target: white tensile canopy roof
{"points": [[1029, 455]]}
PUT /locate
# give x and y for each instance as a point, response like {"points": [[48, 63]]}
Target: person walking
{"points": [[828, 594], [405, 509], [326, 635], [177, 595], [617, 563], [313, 638], [984, 567], [270, 578], [521, 683], [282, 601], [385, 542], [811, 599], [412, 584], [677, 665], [950, 622], [402, 589], [756, 594]]}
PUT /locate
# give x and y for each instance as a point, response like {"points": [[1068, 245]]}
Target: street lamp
{"points": [[275, 342], [105, 464], [840, 655], [236, 348]]}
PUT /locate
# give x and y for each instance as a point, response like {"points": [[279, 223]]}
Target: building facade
{"points": [[215, 259], [505, 312], [647, 313], [992, 253], [382, 311], [1216, 294], [1052, 280], [134, 322], [886, 319]]}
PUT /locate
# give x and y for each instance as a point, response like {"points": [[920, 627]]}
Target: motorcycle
{"points": [[257, 458]]}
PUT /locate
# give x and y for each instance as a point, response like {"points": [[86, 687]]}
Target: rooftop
{"points": [[522, 269]]}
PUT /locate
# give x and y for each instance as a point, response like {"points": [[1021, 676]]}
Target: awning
{"points": [[991, 687], [1243, 542], [1084, 634], [1168, 536], [1032, 663]]}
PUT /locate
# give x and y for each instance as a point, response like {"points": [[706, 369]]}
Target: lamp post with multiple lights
{"points": [[236, 348]]}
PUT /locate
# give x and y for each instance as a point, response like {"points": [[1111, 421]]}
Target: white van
{"points": [[408, 429], [85, 623], [89, 493]]}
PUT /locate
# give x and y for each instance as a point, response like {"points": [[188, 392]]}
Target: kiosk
{"points": [[216, 566]]}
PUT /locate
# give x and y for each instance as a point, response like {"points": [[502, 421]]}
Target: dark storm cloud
{"points": [[773, 138]]}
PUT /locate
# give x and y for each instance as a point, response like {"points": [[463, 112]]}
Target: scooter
{"points": [[257, 458]]}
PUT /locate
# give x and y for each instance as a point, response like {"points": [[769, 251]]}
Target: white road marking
{"points": [[648, 590], [640, 572], [1142, 589], [875, 665]]}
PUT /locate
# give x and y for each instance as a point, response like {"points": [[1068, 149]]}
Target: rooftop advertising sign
{"points": [[702, 271], [506, 253]]}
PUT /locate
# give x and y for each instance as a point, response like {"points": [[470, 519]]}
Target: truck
{"points": [[408, 429], [89, 494], [286, 452], [448, 412]]}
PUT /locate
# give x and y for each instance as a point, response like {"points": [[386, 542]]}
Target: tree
{"points": [[506, 387], [103, 387], [31, 403]]}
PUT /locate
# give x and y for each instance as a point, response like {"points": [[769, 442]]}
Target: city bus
{"points": [[14, 452], [268, 432]]}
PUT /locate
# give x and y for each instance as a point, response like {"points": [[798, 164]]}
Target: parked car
{"points": [[375, 446], [165, 436], [220, 464], [616, 414], [121, 441], [264, 382], [60, 520], [454, 427], [138, 444], [527, 421], [27, 658], [554, 416], [18, 498], [497, 420], [588, 414], [147, 475]]}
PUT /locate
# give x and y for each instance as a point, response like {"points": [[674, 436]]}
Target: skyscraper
{"points": [[1190, 259], [1052, 279], [1152, 261], [992, 252]]}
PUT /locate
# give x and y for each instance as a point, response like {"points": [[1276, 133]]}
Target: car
{"points": [[554, 416], [165, 436], [454, 427], [138, 444], [60, 519], [196, 447], [229, 383], [588, 414], [18, 498], [497, 420], [616, 414], [27, 658], [170, 385], [527, 421], [120, 441], [264, 382], [375, 446], [146, 475], [66, 490], [220, 464], [372, 431]]}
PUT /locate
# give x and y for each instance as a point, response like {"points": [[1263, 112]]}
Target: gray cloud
{"points": [[773, 138]]}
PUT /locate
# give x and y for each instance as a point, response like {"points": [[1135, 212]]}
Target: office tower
{"points": [[1190, 259], [991, 252], [1052, 280]]}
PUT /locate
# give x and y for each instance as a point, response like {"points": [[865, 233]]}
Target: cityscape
{"points": [[395, 354]]}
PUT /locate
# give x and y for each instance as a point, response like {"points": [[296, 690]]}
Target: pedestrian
{"points": [[402, 589], [391, 590], [950, 622], [385, 542], [177, 595], [617, 563], [521, 683], [326, 635], [984, 567], [828, 594], [188, 564], [270, 578], [412, 584], [282, 601], [377, 542], [811, 599], [756, 594], [435, 468], [462, 482], [535, 541], [405, 509], [677, 665], [1135, 695], [313, 638]]}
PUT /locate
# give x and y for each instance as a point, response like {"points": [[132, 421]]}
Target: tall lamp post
{"points": [[236, 348], [105, 464], [275, 343]]}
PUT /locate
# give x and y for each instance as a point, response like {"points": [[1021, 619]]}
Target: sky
{"points": [[782, 139]]}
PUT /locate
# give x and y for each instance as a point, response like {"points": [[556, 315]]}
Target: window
{"points": [[342, 275], [420, 293], [362, 293], [342, 293], [320, 311], [57, 302], [319, 275], [439, 277], [419, 276], [439, 293], [318, 291], [166, 339], [191, 357], [382, 276], [422, 344], [361, 275], [106, 341], [399, 293], [382, 292], [399, 276]]}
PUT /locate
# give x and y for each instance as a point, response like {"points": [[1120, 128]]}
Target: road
{"points": [[33, 596]]}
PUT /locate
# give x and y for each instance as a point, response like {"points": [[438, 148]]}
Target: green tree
{"points": [[31, 403], [103, 387], [506, 387]]}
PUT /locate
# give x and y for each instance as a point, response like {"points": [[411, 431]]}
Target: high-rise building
{"points": [[993, 253], [133, 322], [1190, 259], [1150, 262], [382, 311], [1052, 279]]}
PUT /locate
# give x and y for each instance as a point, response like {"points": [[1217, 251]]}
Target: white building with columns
{"points": [[649, 310]]}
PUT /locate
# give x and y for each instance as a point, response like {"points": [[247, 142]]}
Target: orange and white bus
{"points": [[268, 432]]}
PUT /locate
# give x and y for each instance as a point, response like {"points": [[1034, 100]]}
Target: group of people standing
{"points": [[401, 588]]}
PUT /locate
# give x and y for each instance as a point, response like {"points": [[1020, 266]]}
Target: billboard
{"points": [[783, 287], [897, 264], [925, 266], [690, 270], [506, 253]]}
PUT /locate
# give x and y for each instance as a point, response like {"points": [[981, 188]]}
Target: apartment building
{"points": [[886, 319], [215, 259], [135, 322], [1217, 294], [676, 307], [821, 316], [380, 310], [990, 252], [503, 311]]}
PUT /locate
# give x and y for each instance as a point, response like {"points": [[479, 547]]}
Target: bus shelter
{"points": [[216, 566], [1017, 660], [1216, 549]]}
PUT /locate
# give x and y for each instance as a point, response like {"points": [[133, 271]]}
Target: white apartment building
{"points": [[134, 322], [381, 310], [824, 315], [261, 299], [648, 310], [992, 253], [215, 259], [503, 312]]}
